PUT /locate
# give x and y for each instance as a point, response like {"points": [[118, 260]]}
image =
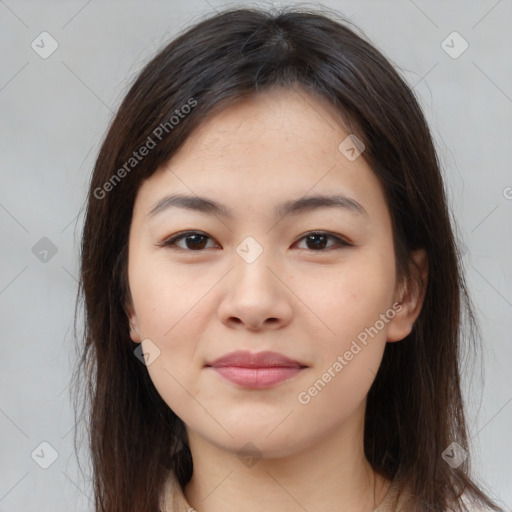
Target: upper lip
{"points": [[247, 359]]}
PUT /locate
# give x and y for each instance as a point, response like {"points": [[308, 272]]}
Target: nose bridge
{"points": [[252, 262], [254, 295], [250, 249]]}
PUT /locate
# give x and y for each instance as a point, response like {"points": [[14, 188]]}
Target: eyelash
{"points": [[171, 242]]}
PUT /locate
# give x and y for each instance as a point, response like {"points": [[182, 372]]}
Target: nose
{"points": [[255, 297]]}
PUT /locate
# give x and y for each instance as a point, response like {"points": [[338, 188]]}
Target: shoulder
{"points": [[395, 501]]}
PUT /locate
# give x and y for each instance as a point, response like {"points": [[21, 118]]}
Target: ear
{"points": [[411, 298], [133, 322]]}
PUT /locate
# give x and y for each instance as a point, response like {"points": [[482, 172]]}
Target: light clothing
{"points": [[173, 499]]}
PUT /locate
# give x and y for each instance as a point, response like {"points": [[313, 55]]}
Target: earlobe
{"points": [[411, 299], [133, 324]]}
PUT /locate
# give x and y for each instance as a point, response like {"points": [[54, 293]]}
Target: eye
{"points": [[317, 241], [196, 241]]}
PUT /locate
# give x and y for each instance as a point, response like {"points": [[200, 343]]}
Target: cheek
{"points": [[350, 298], [172, 311], [349, 359], [175, 386], [172, 316], [166, 298]]}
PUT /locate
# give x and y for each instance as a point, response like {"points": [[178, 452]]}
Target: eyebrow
{"points": [[293, 207]]}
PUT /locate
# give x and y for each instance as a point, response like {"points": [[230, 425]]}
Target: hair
{"points": [[414, 408]]}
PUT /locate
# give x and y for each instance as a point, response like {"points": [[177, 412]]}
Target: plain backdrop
{"points": [[54, 114]]}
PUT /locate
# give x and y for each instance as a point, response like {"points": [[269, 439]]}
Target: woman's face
{"points": [[267, 269]]}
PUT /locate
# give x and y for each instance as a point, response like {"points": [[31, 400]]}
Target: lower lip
{"points": [[257, 378]]}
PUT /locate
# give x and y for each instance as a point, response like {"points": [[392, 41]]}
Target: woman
{"points": [[272, 289]]}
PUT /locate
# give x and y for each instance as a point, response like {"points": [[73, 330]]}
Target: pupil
{"points": [[195, 242], [317, 245]]}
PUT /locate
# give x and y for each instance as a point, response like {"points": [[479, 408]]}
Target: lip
{"points": [[256, 370], [246, 359]]}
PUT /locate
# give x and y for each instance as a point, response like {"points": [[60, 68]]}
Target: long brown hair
{"points": [[414, 407]]}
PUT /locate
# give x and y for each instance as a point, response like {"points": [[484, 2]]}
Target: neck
{"points": [[330, 475]]}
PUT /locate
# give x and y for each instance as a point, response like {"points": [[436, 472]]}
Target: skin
{"points": [[309, 304]]}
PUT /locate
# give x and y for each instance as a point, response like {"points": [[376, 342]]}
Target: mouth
{"points": [[256, 371]]}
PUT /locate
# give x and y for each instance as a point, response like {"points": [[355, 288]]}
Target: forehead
{"points": [[291, 115], [276, 145]]}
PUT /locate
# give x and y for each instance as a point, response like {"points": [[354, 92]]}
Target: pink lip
{"points": [[260, 370]]}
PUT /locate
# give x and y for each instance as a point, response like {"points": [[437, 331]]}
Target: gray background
{"points": [[54, 113]]}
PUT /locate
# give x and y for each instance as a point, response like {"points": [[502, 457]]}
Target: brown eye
{"points": [[318, 241], [193, 240]]}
